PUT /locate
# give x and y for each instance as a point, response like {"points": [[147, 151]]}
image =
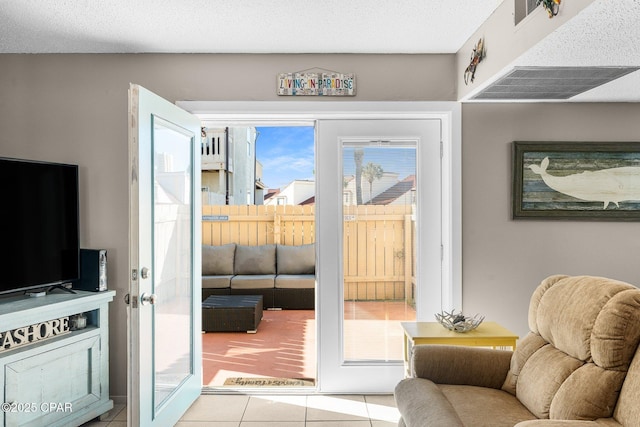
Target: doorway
{"points": [[258, 194], [436, 284]]}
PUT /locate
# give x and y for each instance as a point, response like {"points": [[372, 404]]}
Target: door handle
{"points": [[148, 299]]}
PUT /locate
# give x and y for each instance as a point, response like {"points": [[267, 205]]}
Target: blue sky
{"points": [[286, 153]]}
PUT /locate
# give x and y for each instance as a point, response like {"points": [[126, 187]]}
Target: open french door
{"points": [[165, 350]]}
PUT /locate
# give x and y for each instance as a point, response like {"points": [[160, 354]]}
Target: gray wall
{"points": [[504, 260], [73, 108]]}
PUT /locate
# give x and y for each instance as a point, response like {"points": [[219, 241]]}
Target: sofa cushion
{"points": [[485, 407], [255, 259], [218, 260], [628, 410], [421, 403], [296, 281], [216, 282], [567, 311], [253, 281], [542, 376], [526, 347], [424, 403], [584, 332], [299, 259]]}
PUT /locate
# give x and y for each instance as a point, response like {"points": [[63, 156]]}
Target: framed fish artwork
{"points": [[576, 180]]}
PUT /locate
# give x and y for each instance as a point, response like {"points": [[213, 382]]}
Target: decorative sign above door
{"points": [[316, 84]]}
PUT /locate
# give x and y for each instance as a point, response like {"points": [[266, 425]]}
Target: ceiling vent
{"points": [[540, 83]]}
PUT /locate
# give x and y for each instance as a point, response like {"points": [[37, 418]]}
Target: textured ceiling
{"points": [[602, 38], [239, 26], [605, 34]]}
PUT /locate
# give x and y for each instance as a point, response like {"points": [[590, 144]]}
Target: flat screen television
{"points": [[39, 225]]}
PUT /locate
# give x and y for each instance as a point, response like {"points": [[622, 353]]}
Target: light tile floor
{"points": [[237, 410]]}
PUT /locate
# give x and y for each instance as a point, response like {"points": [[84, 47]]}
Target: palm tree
{"points": [[358, 154], [371, 172]]}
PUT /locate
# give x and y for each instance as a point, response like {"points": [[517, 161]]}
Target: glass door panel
{"points": [[172, 249], [379, 204]]}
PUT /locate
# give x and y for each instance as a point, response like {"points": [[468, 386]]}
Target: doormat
{"points": [[269, 382]]}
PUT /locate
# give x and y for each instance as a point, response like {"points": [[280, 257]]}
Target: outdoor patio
{"points": [[379, 281], [285, 344]]}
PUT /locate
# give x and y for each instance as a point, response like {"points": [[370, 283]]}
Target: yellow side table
{"points": [[488, 334]]}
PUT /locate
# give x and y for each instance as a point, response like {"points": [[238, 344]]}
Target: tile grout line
{"points": [[366, 405], [244, 412]]}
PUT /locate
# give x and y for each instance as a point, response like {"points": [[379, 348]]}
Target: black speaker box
{"points": [[93, 270]]}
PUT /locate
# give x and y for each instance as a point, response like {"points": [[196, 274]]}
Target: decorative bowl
{"points": [[458, 322]]}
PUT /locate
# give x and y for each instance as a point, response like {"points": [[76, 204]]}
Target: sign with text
{"points": [[314, 84], [215, 217], [32, 333]]}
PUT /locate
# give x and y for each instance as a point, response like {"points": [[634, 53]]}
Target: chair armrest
{"points": [[444, 364], [564, 423]]}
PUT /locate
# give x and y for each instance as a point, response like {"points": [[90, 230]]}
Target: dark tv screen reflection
{"points": [[38, 224]]}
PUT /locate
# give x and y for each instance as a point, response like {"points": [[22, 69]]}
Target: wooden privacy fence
{"points": [[378, 244]]}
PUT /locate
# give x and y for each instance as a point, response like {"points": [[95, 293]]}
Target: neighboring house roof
{"points": [[271, 192], [294, 193], [310, 201], [388, 196], [394, 192]]}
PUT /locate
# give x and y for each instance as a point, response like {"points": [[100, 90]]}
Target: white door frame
{"points": [[449, 113]]}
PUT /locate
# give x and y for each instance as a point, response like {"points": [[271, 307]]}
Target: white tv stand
{"points": [[62, 380]]}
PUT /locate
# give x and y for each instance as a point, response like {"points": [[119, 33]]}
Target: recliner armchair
{"points": [[579, 366]]}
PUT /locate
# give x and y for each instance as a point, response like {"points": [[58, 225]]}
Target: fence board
{"points": [[206, 226], [390, 256]]}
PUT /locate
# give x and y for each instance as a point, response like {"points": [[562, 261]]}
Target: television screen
{"points": [[39, 246]]}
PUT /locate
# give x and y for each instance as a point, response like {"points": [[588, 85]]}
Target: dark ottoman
{"points": [[231, 313]]}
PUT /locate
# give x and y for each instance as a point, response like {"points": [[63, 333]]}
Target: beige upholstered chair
{"points": [[578, 366]]}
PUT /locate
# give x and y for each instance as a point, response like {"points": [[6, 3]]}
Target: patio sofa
{"points": [[579, 366], [284, 275]]}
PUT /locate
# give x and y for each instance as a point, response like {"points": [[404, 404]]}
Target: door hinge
{"points": [[441, 149], [441, 252], [133, 299]]}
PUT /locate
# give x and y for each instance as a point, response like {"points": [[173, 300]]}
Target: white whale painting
{"points": [[612, 185]]}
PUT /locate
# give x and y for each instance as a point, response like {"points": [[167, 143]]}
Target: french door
{"points": [[380, 246], [165, 350], [426, 271]]}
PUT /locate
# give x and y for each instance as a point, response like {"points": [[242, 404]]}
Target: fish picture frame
{"points": [[576, 180]]}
